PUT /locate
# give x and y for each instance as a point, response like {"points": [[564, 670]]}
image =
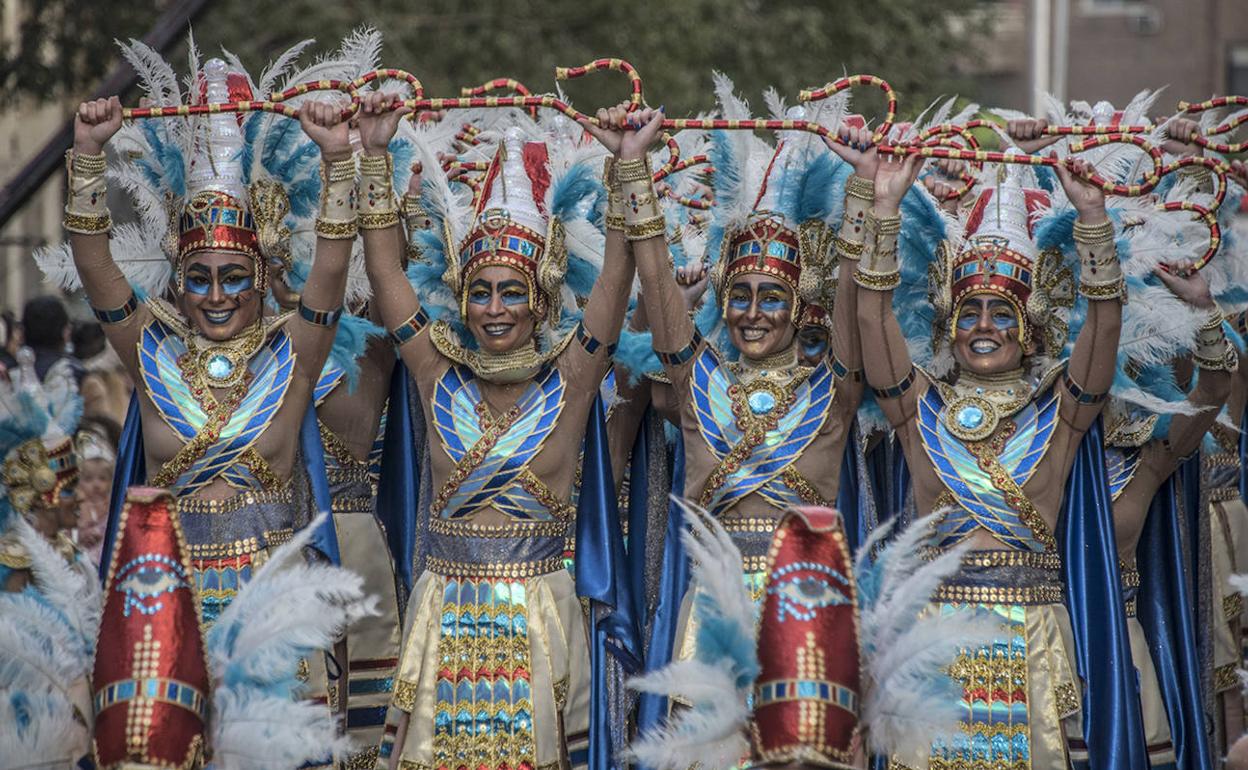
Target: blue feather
{"points": [[726, 181], [251, 127], [172, 172], [303, 157], [402, 153], [280, 136], [635, 353], [304, 196], [719, 638], [350, 341], [571, 189]]}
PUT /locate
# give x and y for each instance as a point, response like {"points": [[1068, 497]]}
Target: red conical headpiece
{"points": [[151, 676], [806, 699]]}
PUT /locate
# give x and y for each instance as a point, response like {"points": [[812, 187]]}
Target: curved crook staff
{"points": [[275, 103], [1225, 127]]}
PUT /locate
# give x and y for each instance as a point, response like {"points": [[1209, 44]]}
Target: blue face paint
{"points": [[511, 293], [739, 302], [234, 283], [1001, 315], [237, 283], [198, 284], [772, 303]]}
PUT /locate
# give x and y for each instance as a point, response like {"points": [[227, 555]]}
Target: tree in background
{"points": [[64, 47]]}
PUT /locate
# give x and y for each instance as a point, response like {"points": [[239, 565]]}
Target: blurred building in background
{"points": [[1111, 49]]}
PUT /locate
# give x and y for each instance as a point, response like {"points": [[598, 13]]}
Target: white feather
{"points": [[72, 593], [711, 735], [156, 76], [53, 737], [906, 650]]}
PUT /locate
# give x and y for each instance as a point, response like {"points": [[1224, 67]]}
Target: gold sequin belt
{"points": [[537, 528], [1004, 577], [197, 505], [496, 570], [752, 536], [248, 546]]}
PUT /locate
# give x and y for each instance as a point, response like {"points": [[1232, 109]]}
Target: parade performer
{"points": [[49, 608], [168, 694], [223, 384], [759, 430], [992, 443], [839, 664], [506, 396]]}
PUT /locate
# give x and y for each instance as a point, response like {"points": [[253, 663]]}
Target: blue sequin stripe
{"points": [[151, 688], [1121, 463], [711, 404], [807, 689], [443, 406], [272, 375], [793, 434], [331, 377], [517, 447], [164, 383], [982, 507]]}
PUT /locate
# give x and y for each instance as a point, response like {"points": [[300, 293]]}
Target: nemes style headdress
{"points": [[538, 210], [245, 184], [775, 207]]}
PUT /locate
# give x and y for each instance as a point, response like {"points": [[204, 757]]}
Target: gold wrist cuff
{"points": [[610, 174], [634, 170], [1214, 321], [877, 280], [645, 228], [862, 189], [849, 249], [336, 230], [884, 226], [614, 220], [87, 165], [1090, 235], [1108, 290], [87, 224], [377, 165], [338, 170], [377, 220]]}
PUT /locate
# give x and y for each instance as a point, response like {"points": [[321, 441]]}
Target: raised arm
{"points": [[88, 223], [320, 302], [889, 370], [1216, 362], [1090, 371], [384, 245], [643, 226], [850, 245]]}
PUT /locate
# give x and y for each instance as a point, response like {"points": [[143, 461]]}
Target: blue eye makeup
{"points": [[198, 284], [515, 297], [772, 303], [237, 284], [739, 301]]}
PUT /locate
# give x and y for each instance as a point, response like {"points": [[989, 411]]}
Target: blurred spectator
{"points": [[96, 443], [45, 324], [105, 386]]}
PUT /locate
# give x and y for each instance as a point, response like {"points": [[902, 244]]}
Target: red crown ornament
{"points": [[806, 698], [151, 676]]}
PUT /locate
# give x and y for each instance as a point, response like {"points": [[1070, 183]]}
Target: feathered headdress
{"points": [[885, 670], [37, 424], [242, 183], [537, 210]]}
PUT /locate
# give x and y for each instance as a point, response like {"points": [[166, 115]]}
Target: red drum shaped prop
{"points": [[807, 694], [151, 676]]}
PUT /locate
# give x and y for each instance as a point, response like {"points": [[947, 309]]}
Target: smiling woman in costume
{"points": [[507, 367], [224, 385]]}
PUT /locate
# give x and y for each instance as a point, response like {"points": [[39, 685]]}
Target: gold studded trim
{"points": [[1232, 606], [1223, 494], [1026, 596], [1224, 677], [1045, 561], [236, 503], [561, 694], [509, 570], [404, 695], [1067, 699], [407, 764], [754, 563], [248, 546], [749, 524], [363, 760], [544, 528], [1130, 576]]}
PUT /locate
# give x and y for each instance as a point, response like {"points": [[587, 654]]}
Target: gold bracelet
{"points": [[1116, 289], [849, 249], [87, 224], [646, 228], [377, 165], [634, 170], [339, 170], [860, 188], [336, 230], [377, 220], [877, 281], [1215, 319], [1226, 361], [90, 165], [610, 175], [890, 225], [1090, 235], [614, 221]]}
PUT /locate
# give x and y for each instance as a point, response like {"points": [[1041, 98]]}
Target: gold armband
{"points": [[850, 240], [377, 205], [1213, 350], [337, 218], [86, 210], [643, 218], [415, 214], [875, 280]]}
